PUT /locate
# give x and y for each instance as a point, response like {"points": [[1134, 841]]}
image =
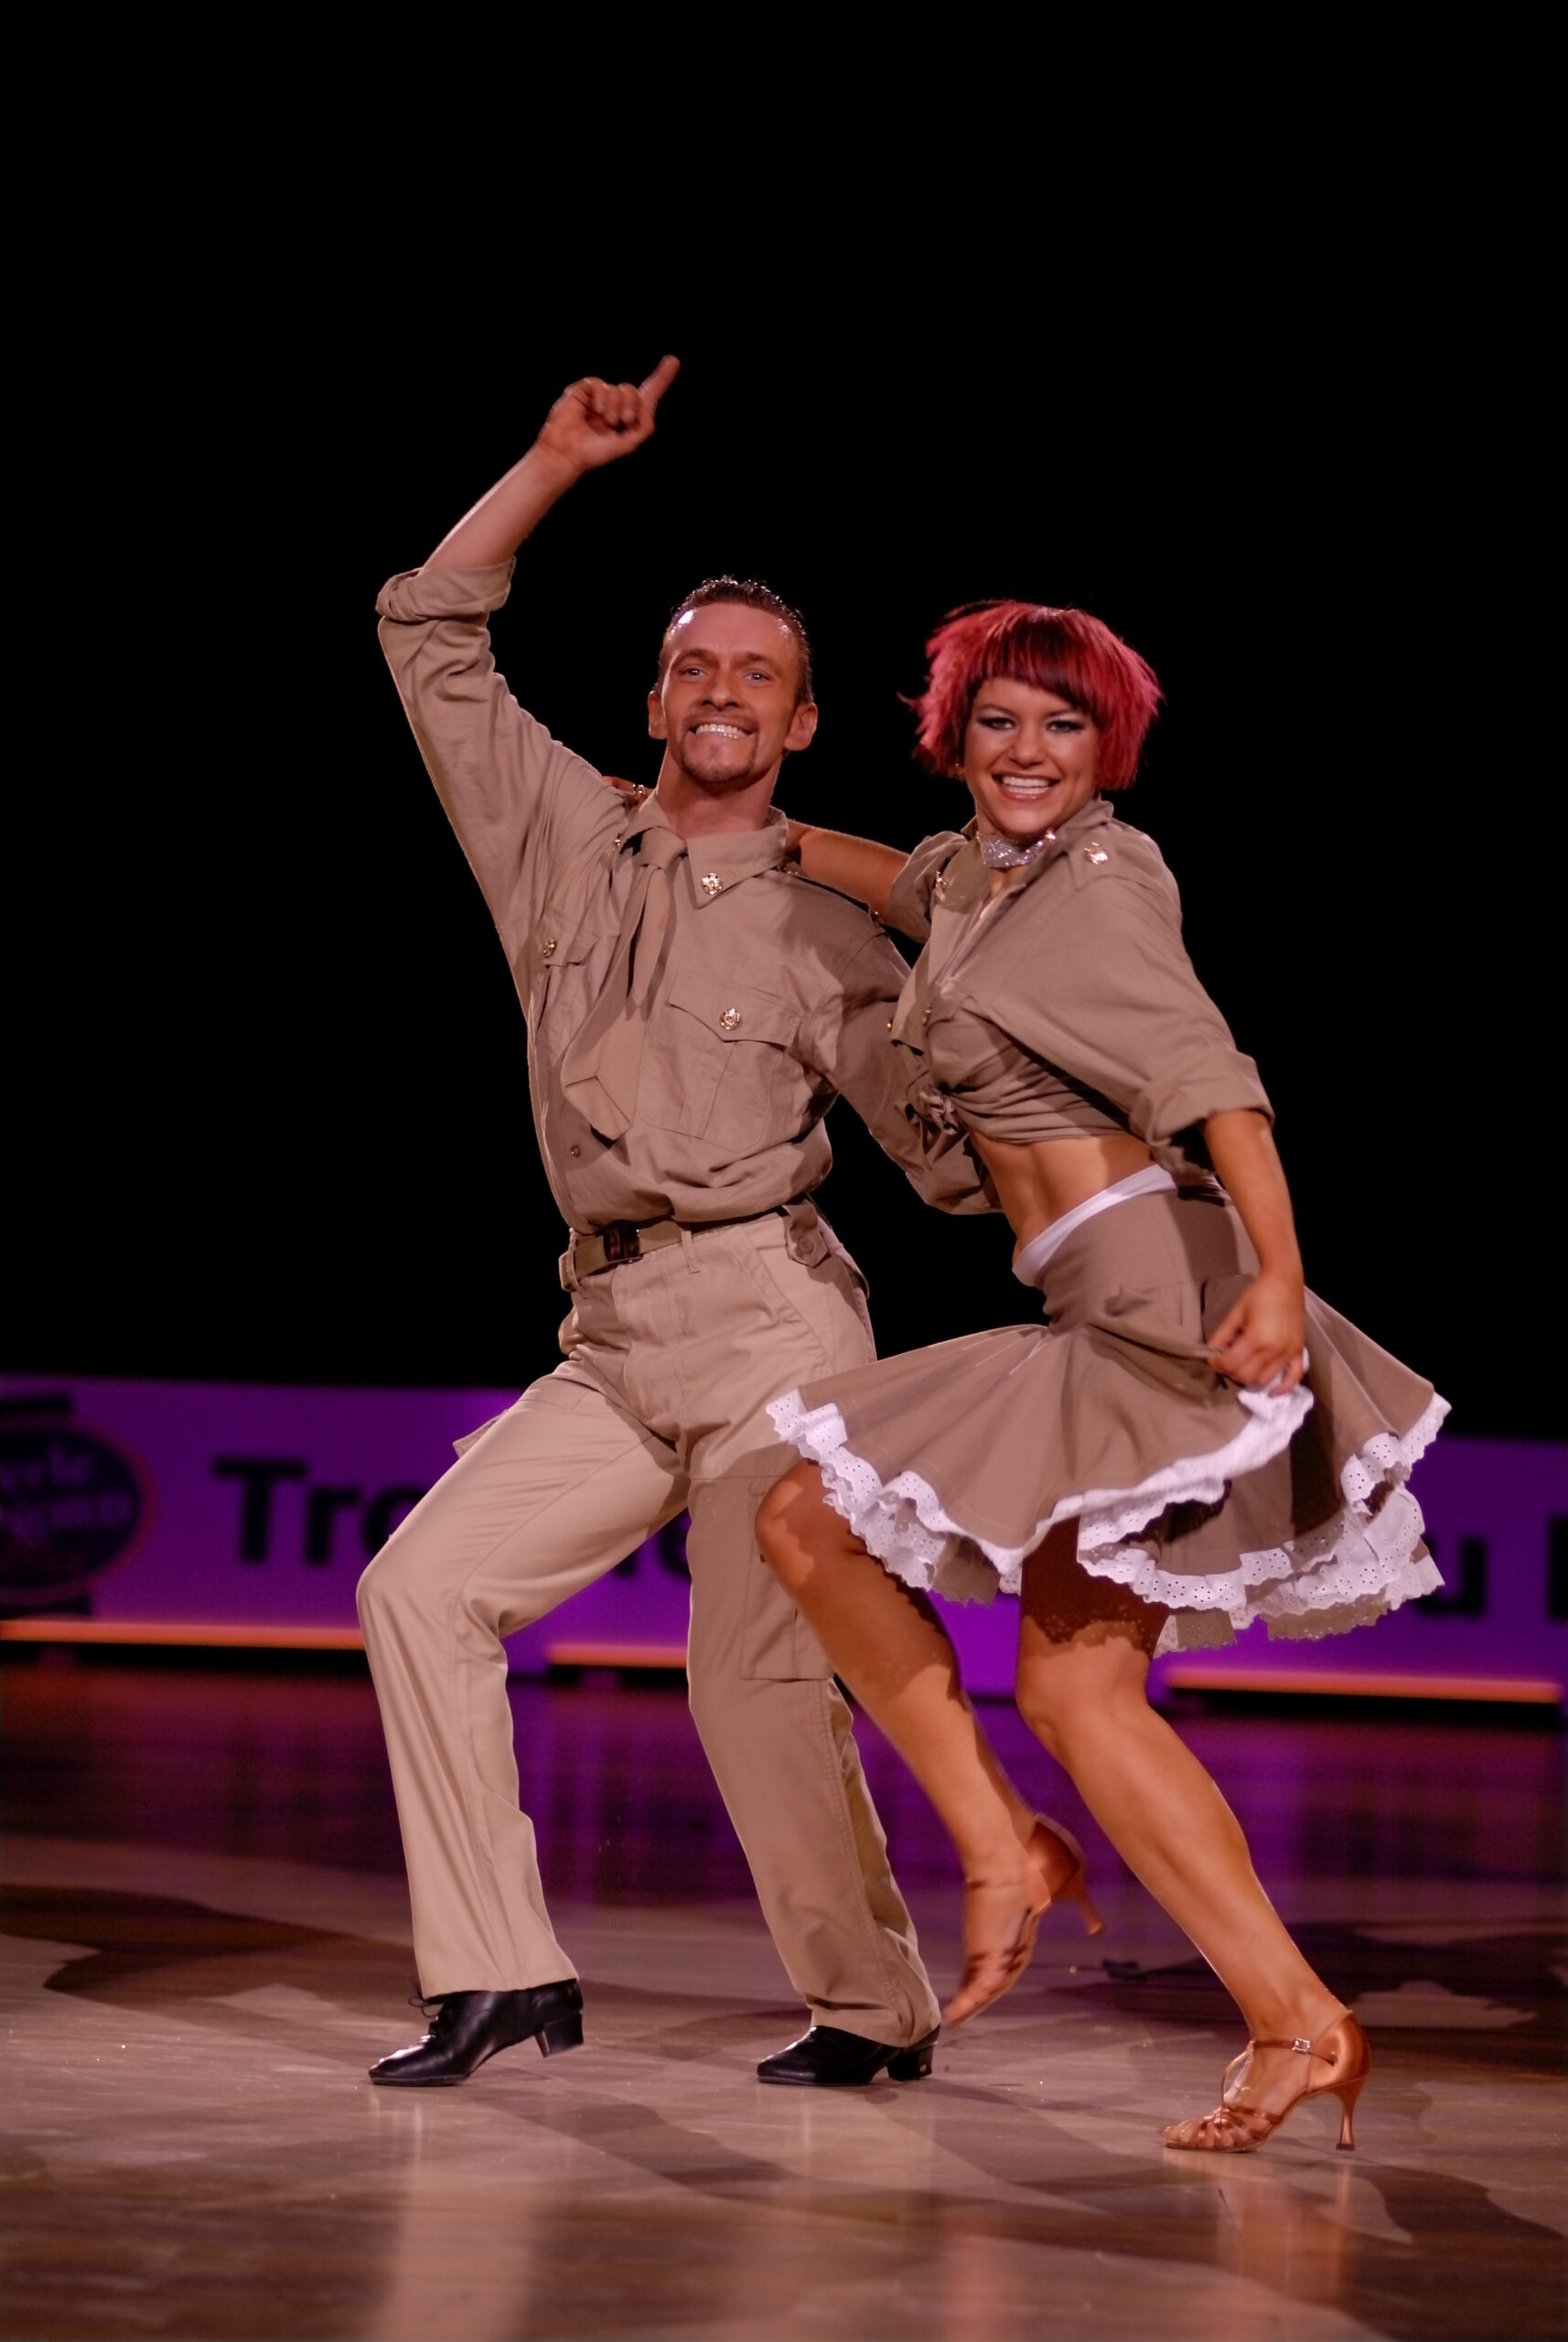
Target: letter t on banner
{"points": [[260, 1475]]}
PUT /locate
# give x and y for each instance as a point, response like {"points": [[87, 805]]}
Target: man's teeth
{"points": [[724, 731]]}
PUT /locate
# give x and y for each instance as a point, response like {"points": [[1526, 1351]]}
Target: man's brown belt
{"points": [[629, 1240]]}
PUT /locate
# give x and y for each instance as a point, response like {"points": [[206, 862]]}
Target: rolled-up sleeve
{"points": [[1110, 997], [848, 1043], [909, 896], [514, 795]]}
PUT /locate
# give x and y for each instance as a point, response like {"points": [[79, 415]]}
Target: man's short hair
{"points": [[1066, 652], [752, 595]]}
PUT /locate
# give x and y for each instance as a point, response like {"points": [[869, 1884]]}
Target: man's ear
{"points": [[803, 727], [656, 727]]}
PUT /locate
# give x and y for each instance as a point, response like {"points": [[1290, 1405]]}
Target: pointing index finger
{"points": [[659, 381]]}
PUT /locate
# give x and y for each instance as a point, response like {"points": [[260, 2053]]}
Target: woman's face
{"points": [[1030, 759]]}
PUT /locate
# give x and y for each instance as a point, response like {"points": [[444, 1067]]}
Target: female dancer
{"points": [[1192, 1440]]}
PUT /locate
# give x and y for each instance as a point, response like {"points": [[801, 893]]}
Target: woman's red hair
{"points": [[1064, 652]]}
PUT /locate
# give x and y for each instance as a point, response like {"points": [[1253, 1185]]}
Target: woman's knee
{"points": [[1042, 1713], [1067, 1689], [781, 1520]]}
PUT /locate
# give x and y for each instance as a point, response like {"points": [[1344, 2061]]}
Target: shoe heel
{"points": [[1348, 2097], [912, 2065], [1094, 1925], [1075, 1890], [561, 2032]]}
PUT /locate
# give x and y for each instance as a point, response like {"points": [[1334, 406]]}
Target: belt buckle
{"points": [[621, 1242]]}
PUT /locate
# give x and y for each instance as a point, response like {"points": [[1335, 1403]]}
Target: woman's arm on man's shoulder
{"points": [[858, 867]]}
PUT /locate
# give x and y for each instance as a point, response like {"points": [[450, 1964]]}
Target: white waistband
{"points": [[1030, 1263]]}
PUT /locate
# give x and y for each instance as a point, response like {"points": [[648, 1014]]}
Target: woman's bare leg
{"points": [[1083, 1660], [888, 1645]]}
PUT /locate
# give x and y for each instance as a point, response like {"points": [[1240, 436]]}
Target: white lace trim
{"points": [[1359, 1564]]}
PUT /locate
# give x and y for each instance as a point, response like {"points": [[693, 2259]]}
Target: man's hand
{"points": [[590, 424], [593, 423]]}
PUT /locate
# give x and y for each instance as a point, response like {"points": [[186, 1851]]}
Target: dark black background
{"points": [[268, 1106]]}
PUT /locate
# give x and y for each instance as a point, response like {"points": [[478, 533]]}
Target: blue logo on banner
{"points": [[72, 1503]]}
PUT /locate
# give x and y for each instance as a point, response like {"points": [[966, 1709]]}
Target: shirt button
{"points": [[547, 949], [573, 1150], [730, 1019], [1095, 853], [710, 883]]}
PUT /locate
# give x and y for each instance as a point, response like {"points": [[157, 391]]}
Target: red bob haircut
{"points": [[1064, 652]]}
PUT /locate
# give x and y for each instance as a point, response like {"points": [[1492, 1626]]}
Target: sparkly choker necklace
{"points": [[1002, 854]]}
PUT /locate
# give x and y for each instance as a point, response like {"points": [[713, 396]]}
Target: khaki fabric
{"points": [[759, 998], [1218, 1504], [659, 1404], [692, 1010], [1068, 1005]]}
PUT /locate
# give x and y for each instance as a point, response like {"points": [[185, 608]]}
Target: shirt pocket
{"points": [[553, 976], [718, 1063]]}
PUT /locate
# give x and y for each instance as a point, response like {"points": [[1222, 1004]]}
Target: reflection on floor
{"points": [[206, 1942]]}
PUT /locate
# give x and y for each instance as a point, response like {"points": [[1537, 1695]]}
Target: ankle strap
{"points": [[1301, 2045]]}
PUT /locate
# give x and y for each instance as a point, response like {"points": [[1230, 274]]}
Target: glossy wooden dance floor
{"points": [[205, 1944]]}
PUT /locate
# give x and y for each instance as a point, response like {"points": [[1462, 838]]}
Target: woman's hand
{"points": [[1261, 1343]]}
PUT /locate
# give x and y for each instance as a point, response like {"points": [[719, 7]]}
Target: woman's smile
{"points": [[1030, 759]]}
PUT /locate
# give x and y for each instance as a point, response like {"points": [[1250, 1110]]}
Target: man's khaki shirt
{"points": [[772, 996]]}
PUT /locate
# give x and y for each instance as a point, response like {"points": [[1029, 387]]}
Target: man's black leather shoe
{"points": [[826, 2058], [471, 2027]]}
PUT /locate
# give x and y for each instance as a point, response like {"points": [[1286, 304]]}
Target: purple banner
{"points": [[235, 1505]]}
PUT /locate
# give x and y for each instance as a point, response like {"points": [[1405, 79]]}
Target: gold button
{"points": [[890, 1024], [547, 949], [730, 1019], [1095, 853], [710, 882], [573, 1150]]}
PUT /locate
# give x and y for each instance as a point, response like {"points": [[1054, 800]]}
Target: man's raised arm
{"points": [[591, 424], [515, 796]]}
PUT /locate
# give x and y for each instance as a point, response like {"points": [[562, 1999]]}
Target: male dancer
{"points": [[693, 1005]]}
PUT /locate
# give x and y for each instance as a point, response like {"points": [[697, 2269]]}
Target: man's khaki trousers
{"points": [[659, 1405]]}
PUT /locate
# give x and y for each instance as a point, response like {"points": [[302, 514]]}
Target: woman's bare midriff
{"points": [[1037, 1184]]}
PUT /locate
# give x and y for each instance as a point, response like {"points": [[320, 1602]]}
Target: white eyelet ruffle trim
{"points": [[1363, 1562]]}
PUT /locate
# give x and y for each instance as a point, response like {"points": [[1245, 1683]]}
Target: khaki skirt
{"points": [[951, 1464]]}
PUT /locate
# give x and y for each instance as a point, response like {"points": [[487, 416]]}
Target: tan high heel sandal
{"points": [[1074, 1887], [995, 1969], [1241, 2129]]}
